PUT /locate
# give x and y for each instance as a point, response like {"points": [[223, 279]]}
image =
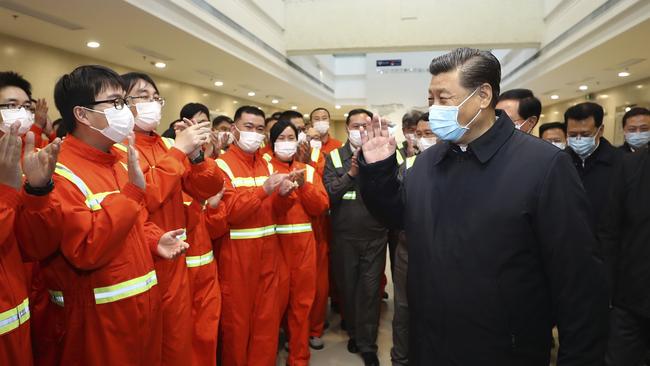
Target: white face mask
{"points": [[302, 137], [226, 136], [322, 126], [10, 116], [249, 141], [285, 150], [410, 137], [149, 114], [426, 142], [316, 144], [355, 138], [559, 145], [120, 123]]}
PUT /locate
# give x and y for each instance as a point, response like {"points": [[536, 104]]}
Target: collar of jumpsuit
{"points": [[484, 147], [88, 152]]}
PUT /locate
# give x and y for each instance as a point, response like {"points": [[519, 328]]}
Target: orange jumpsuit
{"points": [[97, 245], [266, 153], [168, 172], [330, 145], [204, 286], [298, 244], [15, 342], [249, 262]]}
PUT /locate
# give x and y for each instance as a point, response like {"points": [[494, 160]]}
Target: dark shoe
{"points": [[352, 346], [370, 359], [343, 327]]}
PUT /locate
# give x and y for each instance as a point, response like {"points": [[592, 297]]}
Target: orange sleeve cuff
{"points": [[9, 196], [134, 192], [178, 155]]}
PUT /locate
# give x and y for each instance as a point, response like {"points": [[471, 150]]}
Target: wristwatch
{"points": [[39, 191], [198, 159]]}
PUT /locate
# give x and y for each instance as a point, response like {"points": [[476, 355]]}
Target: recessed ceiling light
{"points": [[275, 101], [603, 96], [218, 83], [160, 65], [251, 93], [640, 86], [555, 96], [345, 115], [542, 115], [583, 87], [305, 115], [93, 44], [627, 109], [556, 112], [234, 102], [623, 74], [337, 106], [205, 94], [293, 107]]}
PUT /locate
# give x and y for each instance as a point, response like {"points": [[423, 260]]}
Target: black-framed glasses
{"points": [[145, 98], [118, 103], [28, 106]]}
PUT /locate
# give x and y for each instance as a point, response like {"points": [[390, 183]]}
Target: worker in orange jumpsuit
{"points": [[15, 342], [173, 173], [104, 257], [322, 143], [297, 239], [249, 256], [204, 286]]}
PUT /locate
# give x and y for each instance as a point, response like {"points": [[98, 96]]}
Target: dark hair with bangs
{"points": [[11, 78], [80, 88], [130, 79]]}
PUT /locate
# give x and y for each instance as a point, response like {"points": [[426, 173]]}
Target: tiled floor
{"points": [[335, 352]]}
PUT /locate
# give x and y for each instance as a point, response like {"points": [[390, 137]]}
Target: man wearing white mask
{"points": [[320, 119], [636, 126], [179, 166], [500, 249], [94, 228], [358, 249], [555, 133], [250, 256], [594, 157]]}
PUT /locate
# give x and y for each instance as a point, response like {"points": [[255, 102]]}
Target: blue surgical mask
{"points": [[583, 146], [443, 121], [637, 139]]}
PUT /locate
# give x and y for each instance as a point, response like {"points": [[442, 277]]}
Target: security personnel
{"points": [[94, 225], [249, 258], [172, 166], [358, 249], [296, 235], [500, 249]]}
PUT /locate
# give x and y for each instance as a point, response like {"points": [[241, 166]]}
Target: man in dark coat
{"points": [[501, 247], [625, 235]]}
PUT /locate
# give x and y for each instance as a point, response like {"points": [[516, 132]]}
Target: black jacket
{"points": [[625, 233], [350, 217], [500, 250], [627, 148], [596, 173]]}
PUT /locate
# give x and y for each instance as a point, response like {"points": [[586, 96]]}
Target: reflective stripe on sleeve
{"points": [[199, 260], [253, 233], [315, 154], [351, 195], [125, 289], [309, 173], [293, 228], [15, 317]]}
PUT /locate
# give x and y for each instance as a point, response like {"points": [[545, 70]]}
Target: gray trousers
{"points": [[358, 266], [400, 351]]}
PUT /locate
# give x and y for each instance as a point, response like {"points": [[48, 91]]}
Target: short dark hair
{"points": [[411, 118], [11, 78], [585, 110], [636, 111], [320, 109], [189, 110], [550, 126], [131, 78], [171, 132], [529, 105], [248, 109], [80, 88], [276, 115], [278, 128], [476, 67], [423, 117], [288, 115], [354, 112], [222, 118], [268, 120]]}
